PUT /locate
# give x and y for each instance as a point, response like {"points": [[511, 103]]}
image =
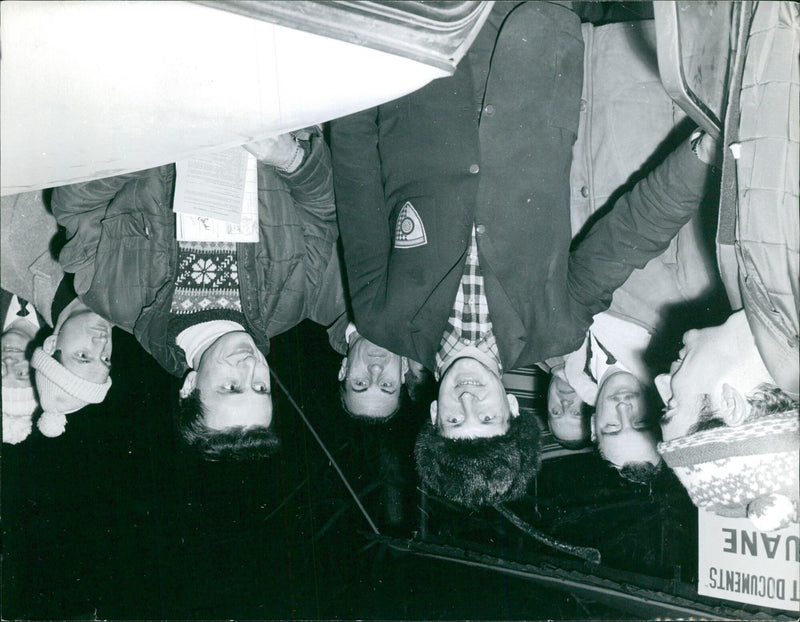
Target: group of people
{"points": [[473, 242]]}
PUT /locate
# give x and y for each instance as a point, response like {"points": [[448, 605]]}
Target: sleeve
{"points": [[311, 189], [638, 228], [80, 209], [363, 221]]}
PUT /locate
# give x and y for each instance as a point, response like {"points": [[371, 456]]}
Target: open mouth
{"points": [[468, 382]]}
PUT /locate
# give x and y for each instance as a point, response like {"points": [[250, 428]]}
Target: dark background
{"points": [[114, 520]]}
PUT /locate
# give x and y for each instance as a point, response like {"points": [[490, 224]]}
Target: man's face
{"points": [[16, 367], [710, 358], [234, 383], [84, 340], [623, 428], [373, 378], [564, 412], [472, 402]]}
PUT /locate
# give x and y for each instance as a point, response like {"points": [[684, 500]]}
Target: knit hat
{"points": [[19, 401], [748, 470], [18, 406], [61, 392]]}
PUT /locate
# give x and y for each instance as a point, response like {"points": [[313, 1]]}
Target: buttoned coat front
{"points": [[504, 168]]}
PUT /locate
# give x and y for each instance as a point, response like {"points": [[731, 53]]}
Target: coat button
{"points": [[583, 105], [488, 110], [474, 168], [480, 229], [584, 191]]}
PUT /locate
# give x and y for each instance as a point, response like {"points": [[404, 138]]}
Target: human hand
{"points": [[278, 151], [706, 148]]}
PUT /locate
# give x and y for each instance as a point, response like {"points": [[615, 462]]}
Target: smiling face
{"points": [[714, 364], [84, 340], [234, 383], [623, 428], [372, 379], [565, 412], [472, 402], [16, 367]]}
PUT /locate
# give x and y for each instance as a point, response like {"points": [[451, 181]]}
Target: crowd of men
{"points": [[486, 225]]}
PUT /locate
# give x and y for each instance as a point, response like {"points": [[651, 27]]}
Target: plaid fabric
{"points": [[469, 323], [208, 278]]}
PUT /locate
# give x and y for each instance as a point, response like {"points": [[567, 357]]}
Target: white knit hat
{"points": [[19, 403], [61, 392]]}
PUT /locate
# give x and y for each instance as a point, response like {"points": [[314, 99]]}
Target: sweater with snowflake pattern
{"points": [[206, 286]]}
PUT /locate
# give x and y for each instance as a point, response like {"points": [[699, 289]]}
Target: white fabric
{"points": [[11, 315], [349, 331], [625, 340], [195, 340]]}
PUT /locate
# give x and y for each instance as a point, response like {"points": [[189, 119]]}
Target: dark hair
{"points": [[367, 418], [420, 386], [235, 443], [767, 399], [640, 472], [480, 471]]}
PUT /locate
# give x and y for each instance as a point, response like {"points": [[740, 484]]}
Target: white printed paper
{"points": [[195, 220], [738, 562]]}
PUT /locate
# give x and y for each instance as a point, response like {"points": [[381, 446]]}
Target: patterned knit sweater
{"points": [[206, 286]]}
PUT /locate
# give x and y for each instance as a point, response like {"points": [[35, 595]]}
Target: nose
{"points": [[9, 358], [375, 370], [467, 401], [690, 336], [623, 408], [664, 387]]}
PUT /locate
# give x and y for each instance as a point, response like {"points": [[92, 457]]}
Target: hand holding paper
{"points": [[277, 151]]}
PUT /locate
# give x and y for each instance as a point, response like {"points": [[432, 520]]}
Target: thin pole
{"points": [[327, 453]]}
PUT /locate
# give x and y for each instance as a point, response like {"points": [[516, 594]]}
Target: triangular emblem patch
{"points": [[409, 232]]}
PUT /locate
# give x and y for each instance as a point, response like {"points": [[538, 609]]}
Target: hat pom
{"points": [[52, 424], [770, 512], [16, 429]]}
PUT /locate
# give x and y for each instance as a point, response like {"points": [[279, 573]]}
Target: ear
{"points": [[188, 384], [343, 369], [513, 405], [49, 345], [434, 411], [592, 427], [403, 369], [734, 407]]}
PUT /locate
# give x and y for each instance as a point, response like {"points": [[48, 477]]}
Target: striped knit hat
{"points": [[748, 470], [61, 392]]}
